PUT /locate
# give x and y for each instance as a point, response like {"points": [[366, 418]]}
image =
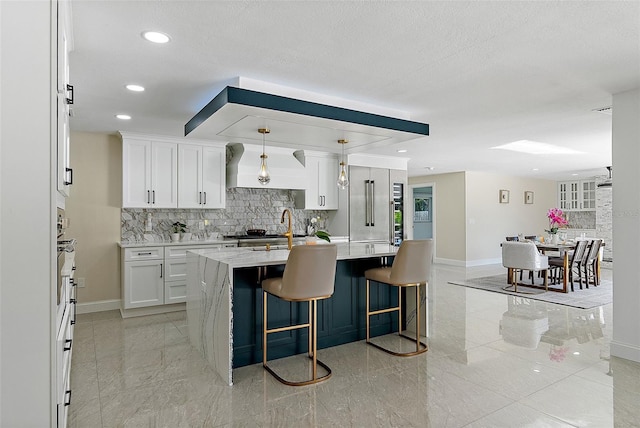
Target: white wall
{"points": [[27, 210], [489, 221], [626, 225]]}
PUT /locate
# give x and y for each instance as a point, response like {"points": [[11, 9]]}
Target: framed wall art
{"points": [[504, 196], [528, 197]]}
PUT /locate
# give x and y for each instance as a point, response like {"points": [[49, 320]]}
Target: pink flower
{"points": [[556, 219]]}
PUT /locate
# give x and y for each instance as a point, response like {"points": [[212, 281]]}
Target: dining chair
{"points": [[590, 262], [575, 264], [518, 256], [309, 276]]}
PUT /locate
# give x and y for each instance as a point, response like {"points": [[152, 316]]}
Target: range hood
{"points": [[285, 170], [299, 119]]}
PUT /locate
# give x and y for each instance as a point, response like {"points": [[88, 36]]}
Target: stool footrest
{"points": [[423, 349], [301, 383], [384, 311]]}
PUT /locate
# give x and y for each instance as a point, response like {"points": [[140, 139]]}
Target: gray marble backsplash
{"points": [[581, 219], [245, 209]]}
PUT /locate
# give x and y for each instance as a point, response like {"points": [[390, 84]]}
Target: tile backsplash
{"points": [[245, 209]]}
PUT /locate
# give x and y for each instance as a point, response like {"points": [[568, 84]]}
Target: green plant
{"points": [[179, 227], [323, 235]]}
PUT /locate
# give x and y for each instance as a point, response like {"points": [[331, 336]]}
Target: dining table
{"points": [[563, 248]]}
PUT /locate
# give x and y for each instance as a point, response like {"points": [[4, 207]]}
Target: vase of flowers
{"points": [[556, 220]]}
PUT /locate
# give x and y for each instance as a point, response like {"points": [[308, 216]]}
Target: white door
{"points": [[143, 284], [189, 176], [164, 176], [422, 201], [213, 177], [136, 173]]}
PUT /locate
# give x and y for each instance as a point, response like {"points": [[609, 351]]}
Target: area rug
{"points": [[584, 299]]}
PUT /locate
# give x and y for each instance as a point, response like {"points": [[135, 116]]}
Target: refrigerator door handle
{"points": [[392, 223], [373, 203], [366, 203]]}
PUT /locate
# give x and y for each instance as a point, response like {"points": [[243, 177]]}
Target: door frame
{"points": [[410, 211]]}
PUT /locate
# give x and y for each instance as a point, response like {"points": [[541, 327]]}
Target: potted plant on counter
{"points": [[177, 229], [313, 233]]}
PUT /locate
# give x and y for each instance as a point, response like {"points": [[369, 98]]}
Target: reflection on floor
{"points": [[493, 361]]}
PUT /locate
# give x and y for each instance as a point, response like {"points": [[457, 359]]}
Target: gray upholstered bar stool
{"points": [[411, 268], [309, 276]]}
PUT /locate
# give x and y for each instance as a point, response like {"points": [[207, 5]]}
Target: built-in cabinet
{"points": [[322, 174], [64, 97], [201, 176], [577, 195], [65, 322], [162, 172], [156, 276]]}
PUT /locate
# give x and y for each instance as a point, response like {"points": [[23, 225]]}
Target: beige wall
{"points": [[94, 212], [449, 204], [489, 221]]}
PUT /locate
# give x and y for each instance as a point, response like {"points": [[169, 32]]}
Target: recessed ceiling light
{"points": [[156, 37], [536, 148], [135, 88], [123, 116], [574, 174], [402, 151], [535, 169]]}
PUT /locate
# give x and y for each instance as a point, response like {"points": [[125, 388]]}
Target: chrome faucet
{"points": [[289, 232]]}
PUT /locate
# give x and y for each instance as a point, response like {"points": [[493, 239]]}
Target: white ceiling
{"points": [[480, 73]]}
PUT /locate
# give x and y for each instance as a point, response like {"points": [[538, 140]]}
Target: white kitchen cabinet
{"points": [[201, 176], [149, 173], [142, 277], [64, 92], [322, 174], [577, 195]]}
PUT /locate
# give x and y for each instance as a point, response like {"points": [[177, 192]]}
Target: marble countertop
{"points": [[248, 257], [191, 243]]}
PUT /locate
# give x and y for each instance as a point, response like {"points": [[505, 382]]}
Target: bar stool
{"points": [[309, 276], [411, 268]]}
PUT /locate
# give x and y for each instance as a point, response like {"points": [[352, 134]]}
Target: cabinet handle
{"points": [[205, 198], [145, 254], [199, 198], [73, 268], [70, 172], [67, 402], [153, 196], [148, 197], [160, 270], [72, 301], [373, 202], [70, 89], [67, 346]]}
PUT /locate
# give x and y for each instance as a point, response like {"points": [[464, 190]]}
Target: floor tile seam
{"points": [[491, 413], [554, 417]]}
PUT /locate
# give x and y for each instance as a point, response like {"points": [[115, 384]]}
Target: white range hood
{"points": [[285, 170]]}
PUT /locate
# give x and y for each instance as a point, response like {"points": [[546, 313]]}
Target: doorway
{"points": [[422, 202]]}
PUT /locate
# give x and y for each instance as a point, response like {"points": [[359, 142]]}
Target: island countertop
{"points": [[259, 256]]}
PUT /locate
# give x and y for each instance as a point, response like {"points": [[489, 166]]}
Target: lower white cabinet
{"points": [[153, 276], [143, 277]]}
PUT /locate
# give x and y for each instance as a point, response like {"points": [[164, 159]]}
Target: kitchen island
{"points": [[224, 303]]}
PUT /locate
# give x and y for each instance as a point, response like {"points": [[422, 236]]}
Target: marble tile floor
{"points": [[493, 361]]}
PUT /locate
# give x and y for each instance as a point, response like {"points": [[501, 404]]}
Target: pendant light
{"points": [[343, 180], [263, 176]]}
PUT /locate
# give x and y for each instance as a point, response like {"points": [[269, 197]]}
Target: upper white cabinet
{"points": [[201, 176], [149, 173], [577, 195], [64, 94], [322, 175]]}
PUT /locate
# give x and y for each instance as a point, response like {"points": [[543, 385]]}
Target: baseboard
{"points": [[450, 262], [99, 306], [152, 310], [625, 350], [483, 262]]}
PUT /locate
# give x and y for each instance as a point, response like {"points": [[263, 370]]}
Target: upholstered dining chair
{"points": [[590, 262], [309, 276], [518, 256], [575, 262], [411, 268]]}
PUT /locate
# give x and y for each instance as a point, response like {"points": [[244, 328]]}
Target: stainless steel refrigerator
{"points": [[376, 204]]}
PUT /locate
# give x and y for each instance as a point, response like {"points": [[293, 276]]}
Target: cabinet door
{"points": [[574, 196], [64, 173], [588, 190], [213, 177], [189, 176], [136, 173], [164, 176], [143, 284], [313, 197], [328, 169]]}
